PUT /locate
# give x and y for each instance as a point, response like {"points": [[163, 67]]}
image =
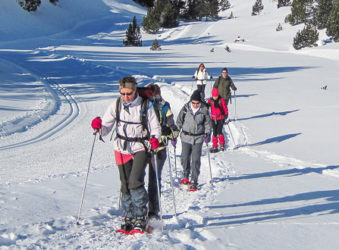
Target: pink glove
{"points": [[154, 143], [96, 123]]}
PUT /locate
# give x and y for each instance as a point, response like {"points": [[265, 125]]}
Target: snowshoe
{"points": [[214, 150], [222, 148], [185, 181], [193, 187], [126, 227], [139, 225]]}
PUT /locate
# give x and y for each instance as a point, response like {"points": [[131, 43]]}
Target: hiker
{"points": [[169, 131], [201, 76], [137, 130], [223, 83], [219, 114], [194, 122]]}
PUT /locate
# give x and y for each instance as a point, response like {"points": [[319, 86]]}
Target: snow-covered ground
{"points": [[276, 186]]}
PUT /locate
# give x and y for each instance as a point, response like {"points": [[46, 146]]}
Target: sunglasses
{"points": [[195, 103], [128, 93]]}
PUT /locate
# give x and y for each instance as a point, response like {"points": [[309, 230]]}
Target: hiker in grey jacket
{"points": [[224, 83], [195, 125], [135, 136]]}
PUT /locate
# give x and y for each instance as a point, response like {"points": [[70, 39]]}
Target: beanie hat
{"points": [[196, 96], [225, 69], [128, 82], [215, 92]]}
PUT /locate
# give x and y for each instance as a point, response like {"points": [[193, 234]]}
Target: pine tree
{"points": [[301, 10], [150, 22], [231, 15], [332, 24], [279, 28], [30, 5], [321, 12], [282, 3], [155, 45], [306, 38], [53, 1], [257, 7], [133, 35], [169, 16], [213, 6], [224, 5]]}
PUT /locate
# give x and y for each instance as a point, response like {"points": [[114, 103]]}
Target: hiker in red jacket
{"points": [[219, 114]]}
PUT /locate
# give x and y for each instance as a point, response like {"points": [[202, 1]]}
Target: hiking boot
{"points": [[214, 150], [127, 225], [140, 223], [222, 147], [193, 186]]}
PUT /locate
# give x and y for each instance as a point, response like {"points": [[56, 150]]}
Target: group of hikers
{"points": [[144, 126]]}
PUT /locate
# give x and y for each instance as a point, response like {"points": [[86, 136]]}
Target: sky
{"points": [[275, 186]]}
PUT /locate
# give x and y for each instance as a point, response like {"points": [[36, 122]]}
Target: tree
{"points": [[279, 28], [212, 9], [169, 16], [282, 3], [257, 7], [332, 24], [301, 10], [155, 45], [30, 5], [306, 38], [54, 1], [133, 35], [322, 12], [224, 5]]}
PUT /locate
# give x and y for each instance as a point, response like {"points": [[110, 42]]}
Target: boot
{"points": [[127, 225], [222, 142], [140, 223], [214, 149]]}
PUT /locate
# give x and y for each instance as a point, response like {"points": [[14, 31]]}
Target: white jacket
{"points": [[131, 130], [201, 76]]}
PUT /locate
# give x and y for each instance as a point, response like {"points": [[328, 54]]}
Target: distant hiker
{"points": [[219, 114], [224, 83], [195, 125], [169, 131], [201, 76], [137, 130]]}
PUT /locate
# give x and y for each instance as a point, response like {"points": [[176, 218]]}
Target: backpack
{"points": [[144, 93]]}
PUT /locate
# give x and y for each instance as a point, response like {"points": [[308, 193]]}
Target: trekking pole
{"points": [[84, 189], [209, 162], [172, 186], [235, 106], [175, 162], [231, 133], [155, 165]]}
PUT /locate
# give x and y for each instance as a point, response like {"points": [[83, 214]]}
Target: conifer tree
{"points": [[282, 3], [212, 9], [30, 5], [133, 35], [321, 12], [306, 37], [300, 11], [155, 45], [224, 5], [257, 7], [332, 24]]}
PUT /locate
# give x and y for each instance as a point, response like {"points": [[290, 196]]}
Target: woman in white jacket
{"points": [[135, 135], [201, 76]]}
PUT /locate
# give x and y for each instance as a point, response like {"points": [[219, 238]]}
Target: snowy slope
{"points": [[276, 186]]}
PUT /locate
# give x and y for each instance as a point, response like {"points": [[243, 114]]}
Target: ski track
{"points": [[60, 95]]}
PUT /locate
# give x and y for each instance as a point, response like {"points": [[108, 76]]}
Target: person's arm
{"points": [[108, 120]]}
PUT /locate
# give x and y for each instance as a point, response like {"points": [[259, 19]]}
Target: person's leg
{"points": [[196, 162], [186, 158], [221, 136]]}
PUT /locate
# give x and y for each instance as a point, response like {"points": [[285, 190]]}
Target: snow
{"points": [[276, 185]]}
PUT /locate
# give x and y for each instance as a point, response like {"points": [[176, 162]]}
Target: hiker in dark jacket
{"points": [[219, 114], [195, 125], [169, 131], [224, 83]]}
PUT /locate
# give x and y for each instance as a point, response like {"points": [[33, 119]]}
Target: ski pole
{"points": [[155, 165], [209, 162], [171, 179], [235, 106], [84, 189], [175, 162]]}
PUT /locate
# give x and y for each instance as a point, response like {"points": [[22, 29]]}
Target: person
{"points": [[137, 129], [201, 76], [223, 83], [219, 114], [194, 123], [169, 131]]}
